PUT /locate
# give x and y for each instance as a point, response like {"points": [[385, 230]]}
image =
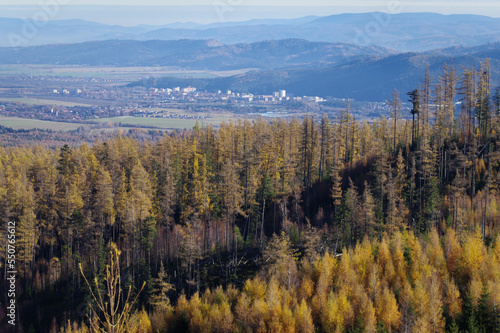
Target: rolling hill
{"points": [[403, 32], [198, 54]]}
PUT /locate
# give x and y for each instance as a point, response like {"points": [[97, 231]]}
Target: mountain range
{"points": [[194, 54], [402, 32]]}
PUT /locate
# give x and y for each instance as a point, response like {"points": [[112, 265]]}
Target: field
{"points": [[22, 123], [121, 73], [122, 123], [39, 101], [173, 119], [165, 123]]}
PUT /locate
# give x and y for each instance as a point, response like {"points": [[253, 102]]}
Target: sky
{"points": [[286, 3], [159, 12]]}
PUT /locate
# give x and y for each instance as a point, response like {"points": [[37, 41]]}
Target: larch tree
{"points": [[395, 104], [232, 197]]}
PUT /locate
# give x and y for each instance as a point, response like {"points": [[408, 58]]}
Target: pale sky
{"points": [[344, 3]]}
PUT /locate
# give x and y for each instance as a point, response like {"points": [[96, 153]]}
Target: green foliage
{"points": [[239, 238], [265, 192], [294, 235], [147, 233], [454, 328], [485, 315]]}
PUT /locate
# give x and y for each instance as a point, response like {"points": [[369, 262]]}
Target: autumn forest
{"points": [[289, 225]]}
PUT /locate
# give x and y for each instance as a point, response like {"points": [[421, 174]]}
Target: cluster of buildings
{"points": [[67, 92], [191, 93], [183, 94]]}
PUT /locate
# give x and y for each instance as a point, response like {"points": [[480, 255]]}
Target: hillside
{"points": [[199, 54]]}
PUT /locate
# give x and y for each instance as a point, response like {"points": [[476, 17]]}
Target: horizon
{"points": [[221, 12]]}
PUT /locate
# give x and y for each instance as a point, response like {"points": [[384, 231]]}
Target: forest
{"points": [[289, 225]]}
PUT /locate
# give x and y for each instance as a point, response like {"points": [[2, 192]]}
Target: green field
{"points": [[153, 122], [120, 123], [39, 101], [22, 123], [121, 73]]}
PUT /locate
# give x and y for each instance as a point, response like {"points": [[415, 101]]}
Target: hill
{"points": [[200, 54]]}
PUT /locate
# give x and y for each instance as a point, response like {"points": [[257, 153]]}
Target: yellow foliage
{"points": [[287, 319], [452, 250], [405, 299], [374, 282], [386, 309], [259, 315], [452, 299], [345, 274], [162, 318], [363, 308], [306, 289], [303, 319], [140, 323], [182, 305], [435, 253], [496, 249], [384, 260], [475, 289], [337, 313], [255, 288], [473, 254], [420, 263], [323, 270], [435, 309], [221, 318], [242, 311], [421, 299], [196, 315], [398, 260], [362, 259]]}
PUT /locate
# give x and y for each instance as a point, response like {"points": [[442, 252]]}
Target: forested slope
{"points": [[391, 225]]}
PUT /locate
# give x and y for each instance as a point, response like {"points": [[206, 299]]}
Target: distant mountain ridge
{"points": [[403, 32], [197, 54]]}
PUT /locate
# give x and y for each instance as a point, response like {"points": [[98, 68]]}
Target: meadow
{"points": [[121, 73], [40, 101], [23, 123], [161, 123]]}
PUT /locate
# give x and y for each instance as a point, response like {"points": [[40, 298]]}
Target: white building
{"points": [[189, 89]]}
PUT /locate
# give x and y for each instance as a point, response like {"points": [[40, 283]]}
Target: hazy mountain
{"points": [[18, 33], [404, 32], [199, 54], [372, 79], [489, 50]]}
